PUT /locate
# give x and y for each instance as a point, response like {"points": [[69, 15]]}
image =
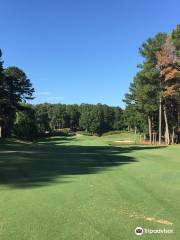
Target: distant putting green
{"points": [[87, 188]]}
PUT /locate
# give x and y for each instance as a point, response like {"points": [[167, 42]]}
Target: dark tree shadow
{"points": [[38, 164]]}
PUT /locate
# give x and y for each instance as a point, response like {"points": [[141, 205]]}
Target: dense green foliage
{"points": [[84, 188], [15, 88], [25, 126], [94, 119]]}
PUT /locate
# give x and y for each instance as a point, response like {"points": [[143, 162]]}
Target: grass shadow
{"points": [[24, 165]]}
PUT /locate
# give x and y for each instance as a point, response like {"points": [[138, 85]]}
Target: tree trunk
{"points": [[144, 136], [167, 139], [172, 139], [160, 119], [135, 133], [135, 130], [150, 128]]}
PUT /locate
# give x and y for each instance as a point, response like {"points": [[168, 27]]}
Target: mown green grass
{"points": [[85, 188]]}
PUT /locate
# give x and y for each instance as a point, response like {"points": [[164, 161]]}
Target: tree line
{"points": [[47, 119], [153, 101], [94, 119]]}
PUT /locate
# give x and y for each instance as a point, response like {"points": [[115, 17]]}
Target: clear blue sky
{"points": [[78, 51]]}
